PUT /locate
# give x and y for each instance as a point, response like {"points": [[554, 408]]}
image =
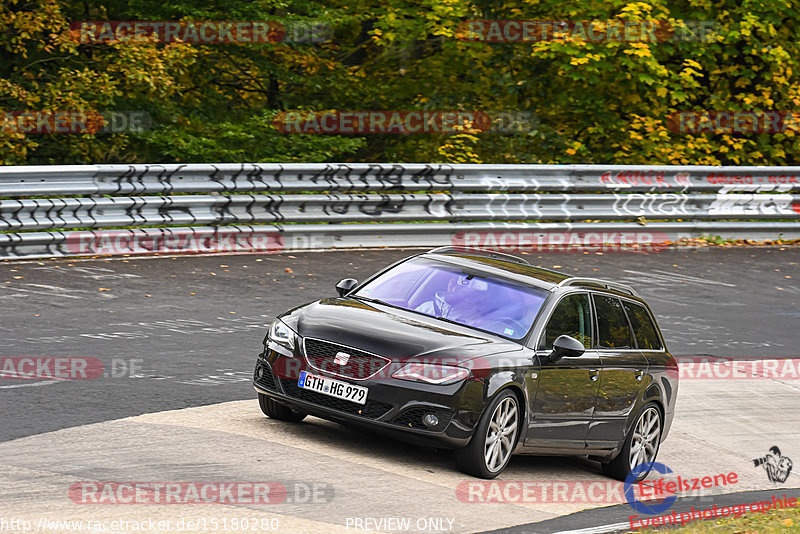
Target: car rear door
{"points": [[623, 372], [565, 398]]}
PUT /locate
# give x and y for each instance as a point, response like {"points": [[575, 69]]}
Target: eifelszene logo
{"points": [[630, 483], [777, 467]]}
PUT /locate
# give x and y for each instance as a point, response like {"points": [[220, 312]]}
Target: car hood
{"points": [[392, 332]]}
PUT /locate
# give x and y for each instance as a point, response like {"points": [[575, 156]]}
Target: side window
{"points": [[643, 327], [572, 318], [613, 331]]}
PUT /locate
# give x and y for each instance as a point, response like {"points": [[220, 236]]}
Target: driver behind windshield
{"points": [[460, 302]]}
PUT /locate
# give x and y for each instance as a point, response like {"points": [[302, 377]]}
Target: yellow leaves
{"points": [[575, 146], [661, 92], [639, 50], [459, 148], [688, 74], [780, 79], [637, 9], [579, 61], [690, 69]]}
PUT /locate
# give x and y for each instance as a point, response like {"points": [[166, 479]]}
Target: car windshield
{"points": [[471, 298]]}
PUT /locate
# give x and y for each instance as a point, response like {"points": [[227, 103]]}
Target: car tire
{"points": [[500, 420], [276, 410], [621, 466]]}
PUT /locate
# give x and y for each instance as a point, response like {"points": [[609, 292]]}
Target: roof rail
{"points": [[579, 280], [478, 252]]}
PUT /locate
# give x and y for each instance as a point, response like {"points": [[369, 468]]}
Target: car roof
{"points": [[519, 269]]}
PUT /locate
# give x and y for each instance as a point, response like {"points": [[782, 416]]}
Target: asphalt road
{"points": [[181, 332]]}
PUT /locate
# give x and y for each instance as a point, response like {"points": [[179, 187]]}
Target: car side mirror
{"points": [[566, 347], [345, 286]]}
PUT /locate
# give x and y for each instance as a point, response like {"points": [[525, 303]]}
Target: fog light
{"points": [[260, 372], [430, 420]]}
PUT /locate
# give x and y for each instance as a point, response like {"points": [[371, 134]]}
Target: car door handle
{"points": [[639, 374], [593, 374]]}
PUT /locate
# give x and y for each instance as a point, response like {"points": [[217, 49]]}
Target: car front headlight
{"points": [[431, 373], [281, 334]]}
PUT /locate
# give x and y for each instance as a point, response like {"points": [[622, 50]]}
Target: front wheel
{"points": [[641, 445], [495, 437], [276, 410]]}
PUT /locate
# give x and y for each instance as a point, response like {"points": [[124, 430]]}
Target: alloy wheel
{"points": [[645, 439], [501, 434]]}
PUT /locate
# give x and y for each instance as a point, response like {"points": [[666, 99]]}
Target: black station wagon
{"points": [[482, 353]]}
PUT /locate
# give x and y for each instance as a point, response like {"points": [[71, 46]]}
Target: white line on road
{"points": [[598, 530]]}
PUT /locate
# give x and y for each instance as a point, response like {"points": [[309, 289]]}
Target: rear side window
{"points": [[572, 317], [613, 331], [643, 327]]}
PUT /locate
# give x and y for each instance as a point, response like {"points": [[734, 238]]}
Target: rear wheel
{"points": [[641, 445], [495, 437], [276, 410]]}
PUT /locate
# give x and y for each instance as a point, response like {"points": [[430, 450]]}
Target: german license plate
{"points": [[332, 387]]}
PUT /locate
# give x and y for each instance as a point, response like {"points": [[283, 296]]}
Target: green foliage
{"points": [[595, 101]]}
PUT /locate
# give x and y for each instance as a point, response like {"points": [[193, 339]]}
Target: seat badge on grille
{"points": [[341, 358]]}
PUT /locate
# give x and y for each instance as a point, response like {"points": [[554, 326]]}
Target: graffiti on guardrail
{"points": [[656, 204], [189, 198], [648, 178], [754, 205]]}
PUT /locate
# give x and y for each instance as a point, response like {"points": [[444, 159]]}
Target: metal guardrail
{"points": [[250, 177], [44, 210]]}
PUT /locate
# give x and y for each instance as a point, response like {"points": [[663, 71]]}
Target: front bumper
{"points": [[393, 407]]}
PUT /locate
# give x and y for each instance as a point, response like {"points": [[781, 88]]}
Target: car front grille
{"points": [[359, 364], [412, 418], [263, 377], [371, 410]]}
